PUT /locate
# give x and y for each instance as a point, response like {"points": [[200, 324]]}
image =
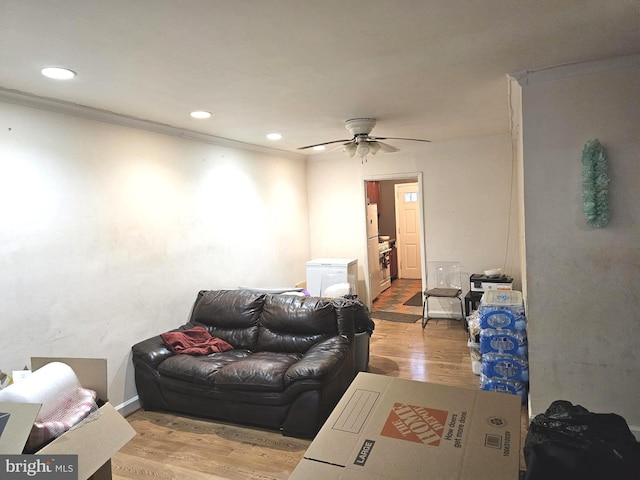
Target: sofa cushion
{"points": [[320, 360], [199, 369], [291, 323], [261, 371], [230, 314]]}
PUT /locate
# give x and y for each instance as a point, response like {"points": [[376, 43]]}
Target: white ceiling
{"points": [[431, 69]]}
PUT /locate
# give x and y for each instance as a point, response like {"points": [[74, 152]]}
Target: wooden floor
{"points": [[179, 447]]}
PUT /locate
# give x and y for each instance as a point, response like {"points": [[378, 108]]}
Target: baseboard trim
{"points": [[444, 314], [129, 406]]}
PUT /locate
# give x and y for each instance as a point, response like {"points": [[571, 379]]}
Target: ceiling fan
{"points": [[361, 142]]}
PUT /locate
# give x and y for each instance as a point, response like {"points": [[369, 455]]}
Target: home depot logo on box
{"points": [[415, 424]]}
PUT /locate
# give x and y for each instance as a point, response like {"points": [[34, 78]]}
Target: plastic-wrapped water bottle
{"points": [[501, 385], [490, 317], [503, 341], [506, 366], [502, 310]]}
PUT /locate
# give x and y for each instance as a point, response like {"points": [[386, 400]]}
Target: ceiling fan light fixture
{"points": [[363, 149], [350, 149], [374, 147]]}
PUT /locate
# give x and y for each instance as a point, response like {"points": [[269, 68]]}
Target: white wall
{"points": [[337, 211], [107, 233], [467, 198], [582, 284]]}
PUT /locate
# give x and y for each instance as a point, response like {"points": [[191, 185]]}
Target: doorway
{"points": [[406, 233], [408, 238]]}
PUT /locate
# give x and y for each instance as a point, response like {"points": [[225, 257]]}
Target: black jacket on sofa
{"points": [[293, 358]]}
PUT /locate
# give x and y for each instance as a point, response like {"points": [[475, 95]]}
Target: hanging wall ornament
{"points": [[595, 184]]}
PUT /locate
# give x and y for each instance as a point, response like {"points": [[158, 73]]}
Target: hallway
{"points": [[392, 299]]}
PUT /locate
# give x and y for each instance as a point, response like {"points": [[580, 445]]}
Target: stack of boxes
{"points": [[503, 343]]}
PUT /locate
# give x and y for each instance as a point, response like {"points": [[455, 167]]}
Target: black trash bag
{"points": [[568, 442], [363, 322]]}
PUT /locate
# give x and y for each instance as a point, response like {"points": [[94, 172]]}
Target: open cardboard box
{"points": [[94, 441], [387, 428]]}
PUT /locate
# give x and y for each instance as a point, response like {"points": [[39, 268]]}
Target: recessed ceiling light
{"points": [[201, 114], [319, 147], [58, 73], [274, 136]]}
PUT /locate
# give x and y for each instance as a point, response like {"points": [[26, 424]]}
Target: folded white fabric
{"points": [[337, 290], [64, 401]]}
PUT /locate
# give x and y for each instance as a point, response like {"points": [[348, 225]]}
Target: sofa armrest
{"points": [[321, 360], [151, 351]]}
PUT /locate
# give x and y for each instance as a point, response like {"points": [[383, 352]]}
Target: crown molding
{"points": [[90, 113], [566, 70]]}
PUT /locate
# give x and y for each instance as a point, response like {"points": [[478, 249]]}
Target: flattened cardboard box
{"points": [[386, 428], [94, 441]]}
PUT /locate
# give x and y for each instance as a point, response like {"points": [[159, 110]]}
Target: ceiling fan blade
{"points": [[400, 138], [337, 144], [385, 147], [326, 143]]}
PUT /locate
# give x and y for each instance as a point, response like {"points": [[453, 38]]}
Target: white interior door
{"points": [[408, 230]]}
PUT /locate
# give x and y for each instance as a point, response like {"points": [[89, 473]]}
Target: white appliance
{"points": [[373, 252], [385, 265], [330, 277]]}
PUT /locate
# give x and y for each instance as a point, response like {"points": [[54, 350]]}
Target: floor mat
{"points": [[395, 317], [415, 301]]}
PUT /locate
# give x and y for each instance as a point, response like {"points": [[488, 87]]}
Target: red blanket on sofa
{"points": [[195, 341]]}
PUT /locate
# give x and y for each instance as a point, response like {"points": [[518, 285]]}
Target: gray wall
{"points": [[107, 233], [583, 284]]}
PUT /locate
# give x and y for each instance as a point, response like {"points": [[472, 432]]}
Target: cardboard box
{"points": [[15, 424], [94, 441], [387, 428]]}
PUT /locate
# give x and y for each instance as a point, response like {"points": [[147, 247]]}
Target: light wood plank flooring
{"points": [[180, 447]]}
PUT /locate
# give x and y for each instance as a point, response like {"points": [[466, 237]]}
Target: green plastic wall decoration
{"points": [[595, 184]]}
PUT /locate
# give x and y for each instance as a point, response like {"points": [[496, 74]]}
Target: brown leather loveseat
{"points": [[292, 359]]}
